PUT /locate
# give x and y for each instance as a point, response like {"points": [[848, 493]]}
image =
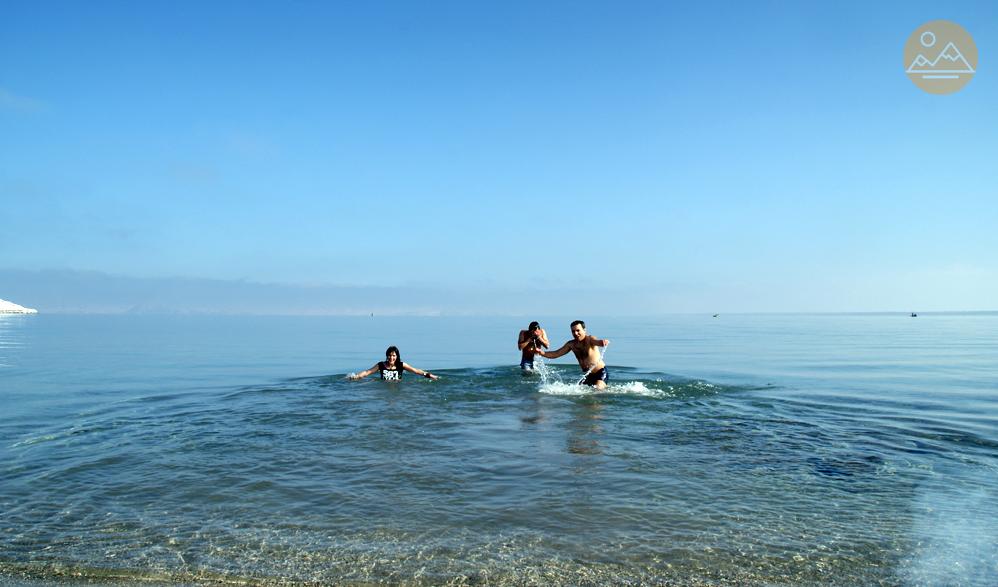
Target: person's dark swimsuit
{"points": [[390, 373], [597, 375]]}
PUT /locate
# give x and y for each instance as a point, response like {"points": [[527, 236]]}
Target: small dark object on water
{"points": [[914, 315]]}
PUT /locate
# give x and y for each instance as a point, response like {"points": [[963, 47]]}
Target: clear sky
{"points": [[716, 156]]}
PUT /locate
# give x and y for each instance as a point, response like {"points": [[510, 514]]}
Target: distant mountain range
{"points": [[92, 292]]}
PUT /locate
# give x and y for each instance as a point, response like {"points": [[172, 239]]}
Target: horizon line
{"points": [[438, 314]]}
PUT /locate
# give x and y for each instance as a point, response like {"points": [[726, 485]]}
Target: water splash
{"points": [[637, 388], [546, 373], [552, 383]]}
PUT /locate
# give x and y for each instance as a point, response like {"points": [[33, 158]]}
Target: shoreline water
{"points": [[206, 450]]}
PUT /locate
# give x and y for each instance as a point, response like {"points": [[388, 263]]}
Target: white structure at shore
{"points": [[12, 308]]}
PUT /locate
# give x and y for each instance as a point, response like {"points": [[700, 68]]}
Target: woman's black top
{"points": [[390, 373]]}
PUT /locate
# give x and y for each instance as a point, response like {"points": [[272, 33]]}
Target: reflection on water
{"points": [[584, 428], [13, 336]]}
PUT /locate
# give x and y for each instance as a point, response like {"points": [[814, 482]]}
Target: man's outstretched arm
{"points": [[558, 353]]}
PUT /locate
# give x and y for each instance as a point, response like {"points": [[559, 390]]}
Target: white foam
{"points": [[626, 388], [541, 368]]}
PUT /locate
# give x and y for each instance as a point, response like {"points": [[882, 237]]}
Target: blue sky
{"points": [[713, 156]]}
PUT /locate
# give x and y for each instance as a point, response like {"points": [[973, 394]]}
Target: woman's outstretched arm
{"points": [[426, 374], [363, 374]]}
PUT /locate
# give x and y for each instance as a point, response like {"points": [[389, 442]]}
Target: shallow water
{"points": [[749, 450]]}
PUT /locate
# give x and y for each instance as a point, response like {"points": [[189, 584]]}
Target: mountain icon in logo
{"points": [[949, 60], [935, 71]]}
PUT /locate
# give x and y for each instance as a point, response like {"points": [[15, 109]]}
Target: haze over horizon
{"points": [[91, 292], [476, 159]]}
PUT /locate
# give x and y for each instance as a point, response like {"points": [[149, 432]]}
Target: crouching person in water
{"points": [[391, 368], [590, 360]]}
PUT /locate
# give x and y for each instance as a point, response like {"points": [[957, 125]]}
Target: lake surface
{"points": [[742, 450]]}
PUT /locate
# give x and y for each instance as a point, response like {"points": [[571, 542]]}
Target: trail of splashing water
{"points": [[637, 388], [552, 384], [547, 374]]}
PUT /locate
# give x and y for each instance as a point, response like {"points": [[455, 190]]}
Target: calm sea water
{"points": [[744, 450]]}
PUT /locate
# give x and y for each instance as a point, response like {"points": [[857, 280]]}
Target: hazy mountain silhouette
{"points": [[70, 291]]}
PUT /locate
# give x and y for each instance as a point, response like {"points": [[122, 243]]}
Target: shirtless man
{"points": [[528, 341], [584, 347]]}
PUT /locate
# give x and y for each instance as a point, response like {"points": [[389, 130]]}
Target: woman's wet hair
{"points": [[533, 326], [393, 349]]}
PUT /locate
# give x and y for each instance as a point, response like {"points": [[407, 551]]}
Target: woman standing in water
{"points": [[391, 368]]}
